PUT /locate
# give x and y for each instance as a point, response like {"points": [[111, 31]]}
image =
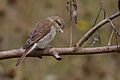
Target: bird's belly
{"points": [[47, 39]]}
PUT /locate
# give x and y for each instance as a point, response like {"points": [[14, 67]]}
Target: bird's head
{"points": [[59, 23]]}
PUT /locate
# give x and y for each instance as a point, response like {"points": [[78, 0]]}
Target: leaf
{"points": [[82, 25]]}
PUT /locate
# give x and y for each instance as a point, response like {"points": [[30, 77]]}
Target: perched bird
{"points": [[43, 34]]}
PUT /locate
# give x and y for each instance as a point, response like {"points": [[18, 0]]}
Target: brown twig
{"points": [[71, 7], [71, 27], [96, 27], [62, 51], [110, 39], [114, 28]]}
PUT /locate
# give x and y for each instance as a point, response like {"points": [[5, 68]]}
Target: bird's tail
{"points": [[19, 62], [24, 55]]}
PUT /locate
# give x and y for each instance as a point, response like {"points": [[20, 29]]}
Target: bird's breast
{"points": [[47, 38]]}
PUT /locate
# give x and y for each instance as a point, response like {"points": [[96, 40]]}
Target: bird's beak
{"points": [[61, 31]]}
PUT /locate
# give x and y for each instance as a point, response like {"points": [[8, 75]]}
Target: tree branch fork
{"points": [[15, 53], [55, 52]]}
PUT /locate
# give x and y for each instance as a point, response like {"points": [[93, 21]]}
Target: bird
{"points": [[43, 33]]}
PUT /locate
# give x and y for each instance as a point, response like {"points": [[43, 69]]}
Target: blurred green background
{"points": [[17, 19]]}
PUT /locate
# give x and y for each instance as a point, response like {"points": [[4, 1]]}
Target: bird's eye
{"points": [[58, 23]]}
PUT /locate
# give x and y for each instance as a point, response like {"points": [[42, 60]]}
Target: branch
{"points": [[96, 27], [62, 51]]}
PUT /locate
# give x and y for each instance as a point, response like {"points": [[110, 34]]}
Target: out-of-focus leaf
{"points": [[82, 25]]}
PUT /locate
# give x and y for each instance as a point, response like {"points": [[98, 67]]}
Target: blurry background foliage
{"points": [[17, 19]]}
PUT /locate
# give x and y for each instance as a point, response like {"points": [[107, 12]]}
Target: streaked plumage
{"points": [[42, 34]]}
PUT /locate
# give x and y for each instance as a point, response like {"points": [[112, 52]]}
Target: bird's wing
{"points": [[41, 29]]}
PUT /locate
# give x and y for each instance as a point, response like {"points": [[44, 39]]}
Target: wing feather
{"points": [[41, 29]]}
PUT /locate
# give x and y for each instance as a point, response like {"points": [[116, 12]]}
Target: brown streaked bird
{"points": [[43, 34]]}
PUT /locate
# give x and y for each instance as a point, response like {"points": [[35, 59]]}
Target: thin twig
{"points": [[96, 27], [104, 11], [116, 31], [71, 35], [97, 17], [97, 36], [113, 26], [109, 42]]}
